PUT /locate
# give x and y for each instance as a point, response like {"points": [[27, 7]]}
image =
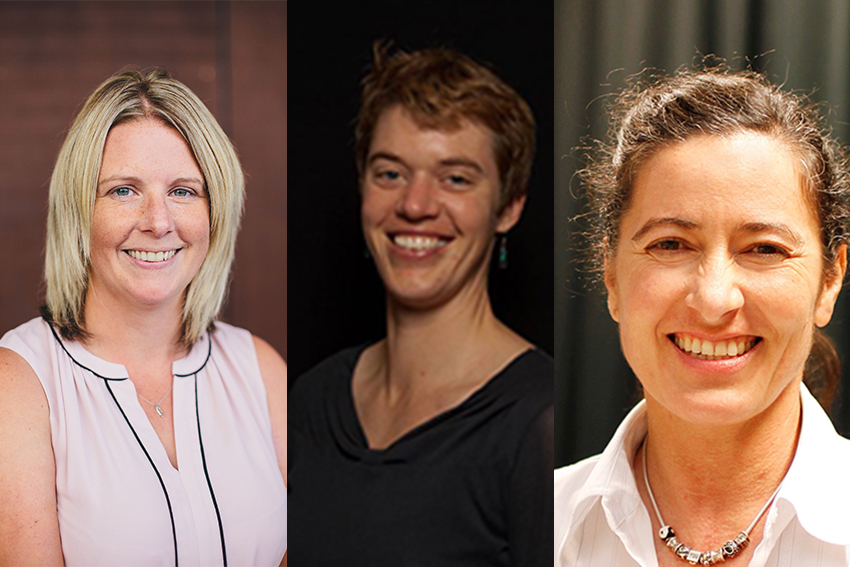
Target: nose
{"points": [[156, 216], [715, 291], [419, 199]]}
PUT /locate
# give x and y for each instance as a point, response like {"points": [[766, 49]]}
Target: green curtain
{"points": [[803, 44]]}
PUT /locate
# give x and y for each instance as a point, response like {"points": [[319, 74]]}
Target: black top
{"points": [[470, 487]]}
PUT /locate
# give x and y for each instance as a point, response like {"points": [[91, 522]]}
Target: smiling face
{"points": [[429, 212], [717, 281], [150, 229]]}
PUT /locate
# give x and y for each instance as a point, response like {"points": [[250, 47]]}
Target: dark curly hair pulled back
{"points": [[654, 113]]}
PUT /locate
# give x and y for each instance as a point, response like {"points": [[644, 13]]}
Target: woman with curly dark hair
{"points": [[719, 225]]}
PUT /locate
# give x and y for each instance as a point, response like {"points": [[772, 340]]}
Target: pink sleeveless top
{"points": [[119, 500]]}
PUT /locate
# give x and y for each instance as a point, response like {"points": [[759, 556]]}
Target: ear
{"points": [[510, 215], [831, 287], [611, 286]]}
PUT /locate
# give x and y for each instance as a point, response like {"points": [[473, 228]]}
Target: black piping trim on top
{"points": [[207, 474], [58, 340], [159, 476], [207, 359], [139, 441]]}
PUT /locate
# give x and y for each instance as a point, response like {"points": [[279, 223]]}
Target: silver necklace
{"points": [[156, 405], [727, 551]]}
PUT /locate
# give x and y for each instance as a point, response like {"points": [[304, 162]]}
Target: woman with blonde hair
{"points": [[137, 429]]}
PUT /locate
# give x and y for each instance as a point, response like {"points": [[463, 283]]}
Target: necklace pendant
{"points": [[158, 410]]}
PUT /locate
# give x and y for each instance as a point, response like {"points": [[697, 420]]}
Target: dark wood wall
{"points": [[231, 54]]}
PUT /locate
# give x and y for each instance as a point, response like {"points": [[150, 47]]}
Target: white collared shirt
{"points": [[601, 521]]}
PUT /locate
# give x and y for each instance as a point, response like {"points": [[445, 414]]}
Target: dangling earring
{"points": [[503, 251]]}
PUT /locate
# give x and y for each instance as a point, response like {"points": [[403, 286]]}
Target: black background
{"points": [[337, 299]]}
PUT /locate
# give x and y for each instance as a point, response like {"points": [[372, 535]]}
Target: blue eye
{"points": [[458, 180], [122, 191], [181, 192], [389, 175]]}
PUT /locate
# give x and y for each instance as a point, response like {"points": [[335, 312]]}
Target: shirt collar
{"points": [[612, 484], [189, 365], [815, 486], [816, 483]]}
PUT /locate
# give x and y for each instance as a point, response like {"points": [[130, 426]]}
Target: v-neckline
{"points": [[351, 415], [116, 379]]}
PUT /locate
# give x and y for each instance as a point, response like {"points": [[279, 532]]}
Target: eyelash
{"points": [[775, 250], [189, 192], [665, 246], [458, 180], [660, 245]]}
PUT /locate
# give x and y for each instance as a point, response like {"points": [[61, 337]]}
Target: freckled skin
{"points": [[723, 268], [150, 197], [440, 184]]}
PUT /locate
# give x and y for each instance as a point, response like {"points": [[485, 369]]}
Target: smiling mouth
{"points": [[718, 350], [151, 257], [418, 242]]}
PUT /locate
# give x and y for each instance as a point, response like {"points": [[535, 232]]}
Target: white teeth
{"points": [[707, 350], [418, 242], [151, 256]]}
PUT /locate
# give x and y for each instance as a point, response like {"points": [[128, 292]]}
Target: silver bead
{"points": [[730, 549], [693, 557], [673, 544], [743, 540], [682, 551]]}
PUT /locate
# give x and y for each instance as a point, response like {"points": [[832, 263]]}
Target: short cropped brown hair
{"points": [[440, 87]]}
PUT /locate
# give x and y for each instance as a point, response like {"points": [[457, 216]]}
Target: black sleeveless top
{"points": [[470, 487]]}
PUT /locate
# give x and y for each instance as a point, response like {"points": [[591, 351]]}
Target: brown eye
{"points": [[667, 245], [769, 250]]}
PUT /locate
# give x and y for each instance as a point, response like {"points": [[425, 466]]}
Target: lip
{"points": [[427, 251], [152, 265], [719, 366]]}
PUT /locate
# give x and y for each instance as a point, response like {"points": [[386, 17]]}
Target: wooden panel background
{"points": [[231, 54]]}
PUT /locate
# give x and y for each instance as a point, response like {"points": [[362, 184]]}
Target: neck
{"points": [[711, 481], [430, 348], [132, 335]]}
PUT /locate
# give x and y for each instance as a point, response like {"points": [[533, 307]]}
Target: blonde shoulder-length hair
{"points": [[124, 97]]}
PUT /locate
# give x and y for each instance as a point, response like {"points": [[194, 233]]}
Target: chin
{"points": [[715, 407], [154, 297]]}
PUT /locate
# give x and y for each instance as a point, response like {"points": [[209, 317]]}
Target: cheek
{"points": [[647, 293], [787, 304], [374, 208], [107, 229]]}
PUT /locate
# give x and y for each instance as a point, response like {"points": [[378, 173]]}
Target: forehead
{"points": [[146, 139], [397, 131], [742, 177]]}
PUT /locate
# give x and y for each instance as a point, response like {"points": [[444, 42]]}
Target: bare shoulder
{"points": [[21, 394], [272, 365], [273, 370], [29, 526]]}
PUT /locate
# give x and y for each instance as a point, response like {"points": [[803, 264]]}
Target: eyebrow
{"points": [[665, 221], [448, 162], [786, 231], [134, 179]]}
